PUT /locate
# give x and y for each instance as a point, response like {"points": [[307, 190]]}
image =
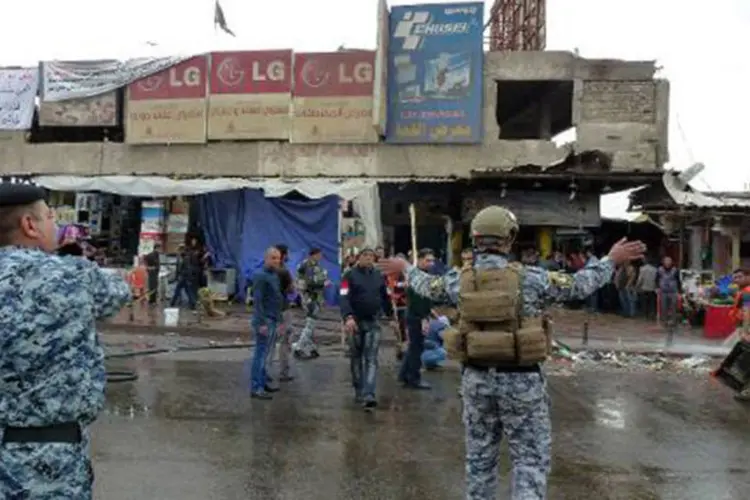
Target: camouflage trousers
{"points": [[284, 341], [515, 405], [45, 471], [305, 345]]}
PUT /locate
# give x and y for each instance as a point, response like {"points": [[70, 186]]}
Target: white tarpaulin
{"points": [[18, 89], [64, 80]]}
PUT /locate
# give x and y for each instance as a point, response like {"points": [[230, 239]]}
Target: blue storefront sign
{"points": [[435, 60]]}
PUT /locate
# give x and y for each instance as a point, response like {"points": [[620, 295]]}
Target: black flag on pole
{"points": [[220, 20]]}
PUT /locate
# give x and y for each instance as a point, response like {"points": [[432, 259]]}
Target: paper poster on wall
{"points": [[18, 89]]}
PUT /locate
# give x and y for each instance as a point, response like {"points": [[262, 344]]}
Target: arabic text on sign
{"points": [[433, 115], [346, 113], [411, 130], [166, 114], [220, 111]]}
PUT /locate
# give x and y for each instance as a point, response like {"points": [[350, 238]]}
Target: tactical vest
{"points": [[491, 328]]}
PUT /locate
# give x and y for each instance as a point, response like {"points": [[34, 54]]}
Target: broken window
{"points": [[534, 109]]}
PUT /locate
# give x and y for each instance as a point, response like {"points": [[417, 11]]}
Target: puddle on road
{"points": [[610, 413]]}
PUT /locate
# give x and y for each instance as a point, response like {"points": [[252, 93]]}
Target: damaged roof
{"points": [[671, 188]]}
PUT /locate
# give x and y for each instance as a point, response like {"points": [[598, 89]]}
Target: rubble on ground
{"points": [[565, 361]]}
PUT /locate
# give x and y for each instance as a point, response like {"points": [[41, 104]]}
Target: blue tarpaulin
{"points": [[238, 227]]}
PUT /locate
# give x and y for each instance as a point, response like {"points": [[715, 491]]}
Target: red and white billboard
{"points": [[250, 95], [169, 106], [333, 97]]}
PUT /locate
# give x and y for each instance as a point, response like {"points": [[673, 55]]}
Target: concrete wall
{"points": [[617, 107]]}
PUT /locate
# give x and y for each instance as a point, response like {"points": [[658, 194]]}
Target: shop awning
{"points": [[164, 187], [364, 194]]}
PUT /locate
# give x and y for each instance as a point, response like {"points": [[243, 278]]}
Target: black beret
{"points": [[17, 195]]}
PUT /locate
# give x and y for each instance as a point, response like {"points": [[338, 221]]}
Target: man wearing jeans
{"points": [[186, 276], [267, 311], [364, 297], [669, 286]]}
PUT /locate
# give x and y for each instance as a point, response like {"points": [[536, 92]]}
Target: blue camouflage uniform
{"points": [[51, 368], [311, 282], [512, 402]]}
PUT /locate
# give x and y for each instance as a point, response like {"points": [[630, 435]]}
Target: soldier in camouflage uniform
{"points": [[51, 362], [508, 397], [312, 279]]}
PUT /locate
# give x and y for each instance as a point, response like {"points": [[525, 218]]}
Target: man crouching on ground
{"points": [[364, 297]]}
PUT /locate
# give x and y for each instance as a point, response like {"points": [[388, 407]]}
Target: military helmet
{"points": [[495, 222]]}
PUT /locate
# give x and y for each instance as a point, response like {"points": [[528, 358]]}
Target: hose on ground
{"points": [[120, 376]]}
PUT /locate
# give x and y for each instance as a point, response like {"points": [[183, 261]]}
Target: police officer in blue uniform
{"points": [[502, 339], [52, 375]]}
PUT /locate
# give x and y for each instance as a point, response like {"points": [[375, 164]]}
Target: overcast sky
{"points": [[703, 52]]}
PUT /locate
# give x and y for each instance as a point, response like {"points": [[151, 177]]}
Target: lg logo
{"points": [[232, 74], [188, 77], [315, 74]]}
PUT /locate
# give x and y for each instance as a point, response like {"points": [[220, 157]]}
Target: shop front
{"points": [[124, 218]]}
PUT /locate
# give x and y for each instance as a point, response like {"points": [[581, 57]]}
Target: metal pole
{"points": [[413, 220], [585, 338]]}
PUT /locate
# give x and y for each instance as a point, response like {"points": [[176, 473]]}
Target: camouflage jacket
{"points": [[537, 287], [311, 279], [51, 362]]}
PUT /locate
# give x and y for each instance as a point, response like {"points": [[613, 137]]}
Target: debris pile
{"points": [[565, 361]]}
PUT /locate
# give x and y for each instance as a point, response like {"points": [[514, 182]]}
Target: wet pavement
{"points": [[187, 430]]}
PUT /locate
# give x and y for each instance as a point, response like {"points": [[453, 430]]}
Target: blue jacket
{"points": [[268, 299]]}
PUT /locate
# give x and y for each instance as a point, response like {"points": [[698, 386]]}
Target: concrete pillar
{"points": [[489, 116], [736, 241], [696, 246]]}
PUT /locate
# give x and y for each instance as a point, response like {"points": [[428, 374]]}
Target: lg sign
{"points": [[189, 76], [315, 73], [359, 73], [231, 73]]}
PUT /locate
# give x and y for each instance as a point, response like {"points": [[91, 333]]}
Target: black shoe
{"points": [[419, 386], [286, 378], [314, 355], [370, 404], [261, 395], [268, 388]]}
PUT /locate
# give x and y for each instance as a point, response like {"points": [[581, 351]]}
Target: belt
{"points": [[507, 368], [58, 433]]}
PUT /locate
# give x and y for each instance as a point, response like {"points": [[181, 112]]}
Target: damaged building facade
{"points": [[615, 111]]}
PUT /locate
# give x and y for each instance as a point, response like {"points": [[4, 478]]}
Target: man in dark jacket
{"points": [[267, 311], [185, 279], [418, 310], [364, 297]]}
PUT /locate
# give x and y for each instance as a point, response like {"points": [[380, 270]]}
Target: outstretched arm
{"points": [[583, 283], [437, 288]]}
